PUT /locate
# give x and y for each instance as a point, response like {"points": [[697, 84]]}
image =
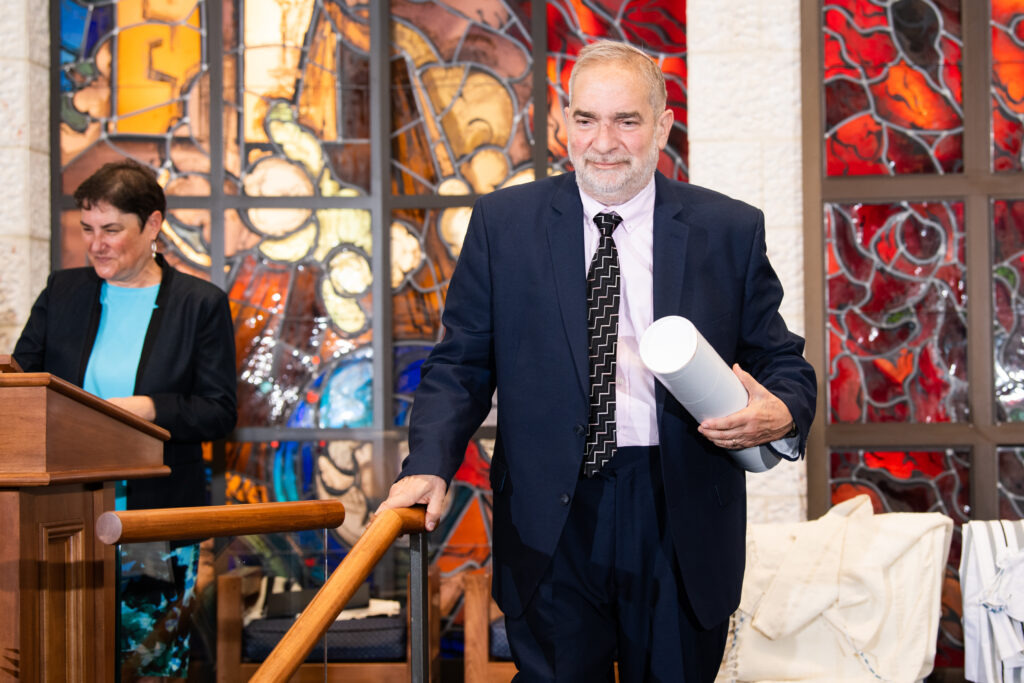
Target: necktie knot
{"points": [[607, 222]]}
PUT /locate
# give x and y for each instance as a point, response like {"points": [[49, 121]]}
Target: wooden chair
{"points": [[479, 611], [235, 587]]}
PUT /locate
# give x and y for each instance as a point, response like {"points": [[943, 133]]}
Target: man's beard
{"points": [[618, 186]]}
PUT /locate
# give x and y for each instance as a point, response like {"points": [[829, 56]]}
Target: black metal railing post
{"points": [[419, 608]]}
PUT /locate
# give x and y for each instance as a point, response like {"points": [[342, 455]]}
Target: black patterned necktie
{"points": [[603, 332]]}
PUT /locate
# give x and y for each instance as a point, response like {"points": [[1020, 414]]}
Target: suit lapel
{"points": [[671, 236], [670, 239], [565, 242]]}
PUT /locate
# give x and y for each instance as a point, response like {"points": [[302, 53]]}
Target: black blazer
{"points": [[187, 367], [515, 320]]}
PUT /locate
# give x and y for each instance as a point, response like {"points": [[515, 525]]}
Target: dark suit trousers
{"points": [[612, 590]]}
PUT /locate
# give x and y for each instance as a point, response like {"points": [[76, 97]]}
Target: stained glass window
{"points": [[915, 481], [302, 320], [154, 110], [298, 97], [893, 87], [462, 97], [896, 307], [903, 91], [1007, 22], [1008, 306]]}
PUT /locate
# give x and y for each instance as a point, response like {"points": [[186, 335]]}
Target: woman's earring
{"points": [[152, 246]]}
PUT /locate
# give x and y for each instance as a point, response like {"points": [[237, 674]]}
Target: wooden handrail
{"points": [[323, 609], [175, 524]]}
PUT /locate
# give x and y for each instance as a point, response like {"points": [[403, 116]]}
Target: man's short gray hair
{"points": [[609, 52]]}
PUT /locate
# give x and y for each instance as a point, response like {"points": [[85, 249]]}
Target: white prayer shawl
{"points": [[851, 596], [992, 584]]}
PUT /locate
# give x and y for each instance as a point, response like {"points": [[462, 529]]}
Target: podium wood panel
{"points": [[56, 585], [61, 449], [52, 431]]}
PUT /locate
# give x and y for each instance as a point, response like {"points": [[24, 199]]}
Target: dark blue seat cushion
{"points": [[499, 640], [373, 639]]}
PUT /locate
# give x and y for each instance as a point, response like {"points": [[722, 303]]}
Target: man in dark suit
{"points": [[619, 521]]}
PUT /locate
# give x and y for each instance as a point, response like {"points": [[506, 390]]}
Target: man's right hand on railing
{"points": [[418, 489]]}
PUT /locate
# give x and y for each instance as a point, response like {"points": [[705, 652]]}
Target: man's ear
{"points": [[664, 127]]}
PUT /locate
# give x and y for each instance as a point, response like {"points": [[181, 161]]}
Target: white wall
{"points": [[24, 162], [745, 141]]}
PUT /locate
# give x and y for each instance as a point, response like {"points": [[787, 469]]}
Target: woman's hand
{"points": [[137, 405]]}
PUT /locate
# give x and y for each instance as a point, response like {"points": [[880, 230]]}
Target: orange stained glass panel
{"points": [[468, 542], [165, 41], [906, 96], [1007, 88], [316, 101]]}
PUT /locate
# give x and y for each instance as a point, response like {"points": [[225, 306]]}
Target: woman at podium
{"points": [[159, 343]]}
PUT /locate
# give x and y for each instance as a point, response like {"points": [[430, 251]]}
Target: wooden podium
{"points": [[61, 450]]}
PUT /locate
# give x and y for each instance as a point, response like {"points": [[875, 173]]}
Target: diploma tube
{"points": [[693, 372]]}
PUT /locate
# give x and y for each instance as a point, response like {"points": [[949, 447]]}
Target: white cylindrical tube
{"points": [[693, 372]]}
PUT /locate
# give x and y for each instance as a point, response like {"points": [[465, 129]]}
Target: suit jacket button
{"points": [[580, 430], [564, 499]]}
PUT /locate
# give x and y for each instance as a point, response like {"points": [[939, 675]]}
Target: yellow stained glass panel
{"points": [[344, 312], [157, 61]]}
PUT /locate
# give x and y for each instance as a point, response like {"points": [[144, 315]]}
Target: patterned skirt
{"points": [[157, 587]]}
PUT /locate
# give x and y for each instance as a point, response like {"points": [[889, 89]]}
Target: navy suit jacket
{"points": [[515, 320]]}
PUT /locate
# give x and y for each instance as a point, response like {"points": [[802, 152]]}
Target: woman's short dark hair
{"points": [[126, 185]]}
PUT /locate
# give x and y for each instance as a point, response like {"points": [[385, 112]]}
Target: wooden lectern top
{"points": [[52, 431]]}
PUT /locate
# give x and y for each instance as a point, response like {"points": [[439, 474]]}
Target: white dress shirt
{"points": [[636, 412]]}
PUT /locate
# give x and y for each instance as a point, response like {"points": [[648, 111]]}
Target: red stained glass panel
{"points": [[893, 87], [896, 303], [916, 481], [1007, 33]]}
